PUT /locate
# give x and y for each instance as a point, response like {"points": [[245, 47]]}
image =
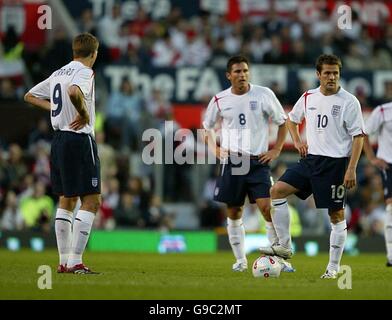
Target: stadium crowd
{"points": [[128, 195]]}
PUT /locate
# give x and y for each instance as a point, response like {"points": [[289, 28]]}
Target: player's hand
{"points": [[269, 156], [79, 122], [221, 153], [379, 163], [302, 148], [350, 178]]}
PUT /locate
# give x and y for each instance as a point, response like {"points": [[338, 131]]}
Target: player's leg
{"points": [[258, 186], [337, 241], [236, 233], [64, 213], [280, 217], [386, 176], [388, 230], [231, 189], [82, 228], [63, 229], [329, 192], [83, 179], [294, 180], [264, 205]]}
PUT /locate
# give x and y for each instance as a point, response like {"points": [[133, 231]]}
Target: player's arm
{"points": [[301, 146], [275, 151], [379, 163], [38, 102], [210, 139], [350, 176], [83, 118]]}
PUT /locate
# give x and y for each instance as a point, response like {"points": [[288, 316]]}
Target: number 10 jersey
{"points": [[331, 121]]}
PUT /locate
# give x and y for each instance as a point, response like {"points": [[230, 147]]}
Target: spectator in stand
{"points": [[259, 45], [273, 23], [164, 53], [42, 132], [37, 210], [16, 167], [157, 217], [7, 90], [158, 107], [380, 59], [86, 22], [11, 219], [123, 114], [140, 195], [275, 55], [58, 53], [109, 31], [219, 54], [196, 52], [127, 214], [354, 58], [41, 165], [107, 156]]}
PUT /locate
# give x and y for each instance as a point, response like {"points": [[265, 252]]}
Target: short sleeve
{"points": [[353, 118], [41, 90], [297, 114], [374, 122], [274, 108], [212, 114], [83, 79]]}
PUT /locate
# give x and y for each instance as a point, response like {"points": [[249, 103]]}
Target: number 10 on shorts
{"points": [[337, 192]]}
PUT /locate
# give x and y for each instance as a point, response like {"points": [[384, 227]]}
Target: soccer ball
{"points": [[266, 266]]}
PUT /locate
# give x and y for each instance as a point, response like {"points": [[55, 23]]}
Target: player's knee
{"points": [[276, 192], [91, 204], [68, 203], [265, 211], [234, 213], [336, 216]]}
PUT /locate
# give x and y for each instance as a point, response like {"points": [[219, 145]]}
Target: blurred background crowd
{"points": [[136, 195]]}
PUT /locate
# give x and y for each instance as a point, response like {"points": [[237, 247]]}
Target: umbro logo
{"points": [[338, 201], [225, 109], [312, 108]]}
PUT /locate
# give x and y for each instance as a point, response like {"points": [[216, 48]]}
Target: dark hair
{"points": [[84, 45], [330, 59], [234, 60]]}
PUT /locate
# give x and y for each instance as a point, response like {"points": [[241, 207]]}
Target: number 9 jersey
{"points": [[331, 121], [55, 89]]}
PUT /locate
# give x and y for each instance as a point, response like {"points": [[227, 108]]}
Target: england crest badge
{"points": [[335, 110], [94, 182], [253, 105]]}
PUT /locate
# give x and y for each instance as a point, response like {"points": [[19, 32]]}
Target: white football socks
{"points": [[388, 231], [336, 244], [281, 220], [271, 233], [81, 232], [63, 229], [236, 232]]}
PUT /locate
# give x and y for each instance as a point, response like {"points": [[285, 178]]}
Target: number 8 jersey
{"points": [[331, 121], [55, 89], [245, 118]]}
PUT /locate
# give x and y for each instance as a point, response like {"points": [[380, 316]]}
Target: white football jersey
{"points": [[380, 123], [245, 118], [331, 121], [55, 89]]}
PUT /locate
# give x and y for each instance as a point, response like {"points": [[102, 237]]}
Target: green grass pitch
{"points": [[187, 276]]}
